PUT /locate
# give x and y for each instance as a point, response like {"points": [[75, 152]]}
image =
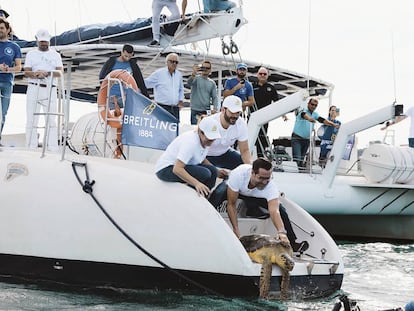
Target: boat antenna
{"points": [[393, 68], [309, 42], [311, 138]]}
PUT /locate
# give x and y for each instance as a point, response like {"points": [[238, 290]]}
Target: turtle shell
{"points": [[257, 241]]}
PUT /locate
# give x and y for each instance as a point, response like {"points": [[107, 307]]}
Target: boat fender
{"points": [[114, 119]]}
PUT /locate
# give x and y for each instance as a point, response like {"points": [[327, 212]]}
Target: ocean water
{"points": [[378, 276]]}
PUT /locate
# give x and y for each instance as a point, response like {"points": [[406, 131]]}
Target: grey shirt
{"points": [[203, 93]]}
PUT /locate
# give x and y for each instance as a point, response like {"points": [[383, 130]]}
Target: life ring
{"points": [[114, 118]]}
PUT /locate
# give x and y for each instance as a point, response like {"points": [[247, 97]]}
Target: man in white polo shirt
{"points": [[232, 128], [42, 89], [254, 184], [184, 160]]}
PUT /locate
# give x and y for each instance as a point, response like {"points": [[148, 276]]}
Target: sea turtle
{"points": [[268, 250]]}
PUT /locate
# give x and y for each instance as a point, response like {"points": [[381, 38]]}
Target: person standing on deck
{"points": [[203, 92], [240, 87], [328, 136], [211, 6], [41, 89], [301, 134], [264, 94], [123, 62], [157, 6], [168, 86], [10, 62]]}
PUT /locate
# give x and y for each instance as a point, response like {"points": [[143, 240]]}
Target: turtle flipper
{"points": [[284, 285], [267, 250], [265, 276]]}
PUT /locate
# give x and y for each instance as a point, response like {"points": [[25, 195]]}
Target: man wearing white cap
{"points": [[232, 128], [184, 160], [240, 86], [42, 84]]}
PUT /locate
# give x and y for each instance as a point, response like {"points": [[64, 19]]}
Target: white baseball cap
{"points": [[210, 127], [43, 35], [233, 103]]}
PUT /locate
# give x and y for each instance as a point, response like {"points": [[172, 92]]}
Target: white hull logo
{"points": [[14, 170]]}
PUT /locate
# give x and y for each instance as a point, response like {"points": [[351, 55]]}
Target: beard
{"points": [[261, 186], [43, 47], [230, 120]]}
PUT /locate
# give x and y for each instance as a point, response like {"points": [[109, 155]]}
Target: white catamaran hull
{"points": [[97, 222], [352, 207]]}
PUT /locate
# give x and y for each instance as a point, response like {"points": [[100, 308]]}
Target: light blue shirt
{"points": [[303, 127], [168, 88]]}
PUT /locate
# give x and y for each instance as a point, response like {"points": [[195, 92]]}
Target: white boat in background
{"points": [[92, 220], [373, 202]]}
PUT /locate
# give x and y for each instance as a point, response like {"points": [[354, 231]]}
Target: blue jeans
{"points": [[195, 114], [207, 174], [410, 306], [299, 148], [230, 159], [217, 5], [5, 92]]}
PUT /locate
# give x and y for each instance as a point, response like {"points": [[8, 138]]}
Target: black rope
{"points": [[70, 146], [87, 186]]}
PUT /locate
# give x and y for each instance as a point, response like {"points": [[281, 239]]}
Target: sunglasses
{"points": [[262, 73], [173, 61], [264, 178], [313, 105]]}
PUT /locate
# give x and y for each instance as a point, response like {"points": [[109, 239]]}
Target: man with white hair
{"points": [[42, 84], [232, 128], [168, 86]]}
